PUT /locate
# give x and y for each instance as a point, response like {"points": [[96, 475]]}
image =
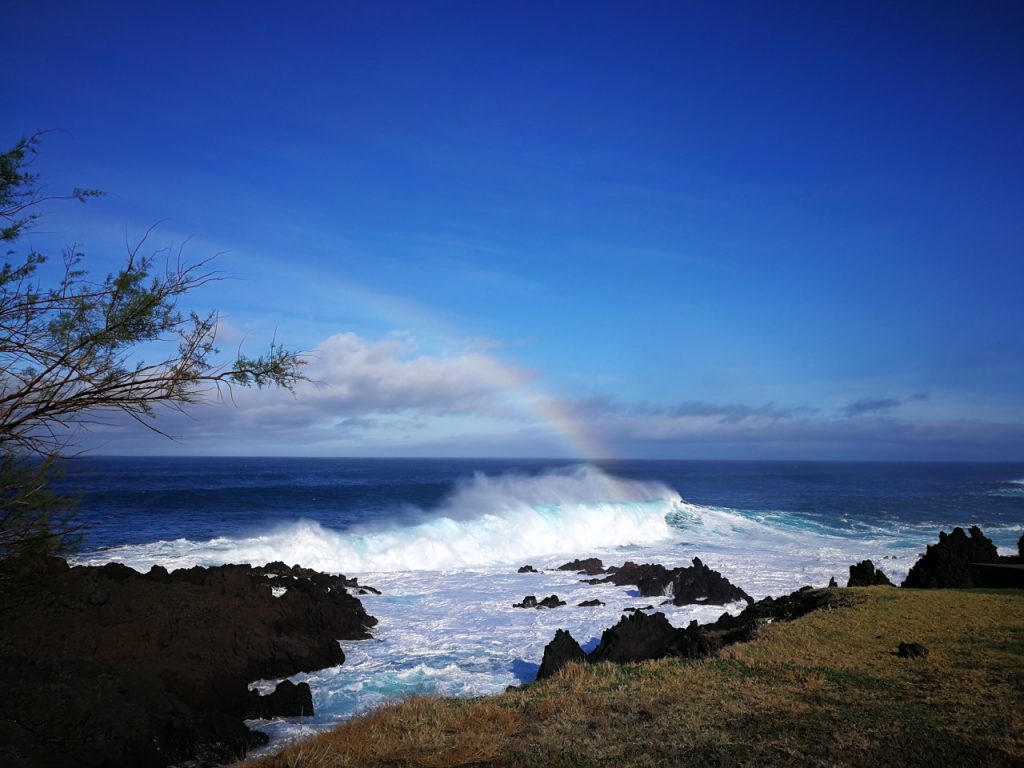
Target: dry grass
{"points": [[423, 731], [824, 690]]}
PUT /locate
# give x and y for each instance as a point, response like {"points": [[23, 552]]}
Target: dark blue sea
{"points": [[443, 538], [139, 500]]}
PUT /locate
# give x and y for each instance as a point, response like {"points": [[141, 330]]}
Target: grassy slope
{"points": [[826, 689]]}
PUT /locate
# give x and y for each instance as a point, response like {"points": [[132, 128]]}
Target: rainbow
{"points": [[564, 426], [547, 412]]}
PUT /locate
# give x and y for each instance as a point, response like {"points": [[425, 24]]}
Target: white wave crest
{"points": [[485, 521], [1009, 488]]}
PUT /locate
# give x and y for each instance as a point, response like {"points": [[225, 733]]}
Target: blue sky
{"points": [[708, 230]]}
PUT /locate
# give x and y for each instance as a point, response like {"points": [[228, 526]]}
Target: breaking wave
{"points": [[486, 520]]}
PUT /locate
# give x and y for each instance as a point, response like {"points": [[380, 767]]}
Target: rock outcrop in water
{"points": [[590, 566], [687, 585], [105, 666], [643, 637], [286, 700], [531, 601]]}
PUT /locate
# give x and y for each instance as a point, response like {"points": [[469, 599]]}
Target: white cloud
{"points": [[388, 397], [384, 389], [353, 375]]}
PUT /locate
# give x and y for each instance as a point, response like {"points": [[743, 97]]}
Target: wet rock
{"points": [[832, 583], [591, 566], [527, 569], [591, 603], [688, 585], [286, 700], [654, 577], [864, 574], [562, 650], [700, 584], [531, 601], [551, 601]]}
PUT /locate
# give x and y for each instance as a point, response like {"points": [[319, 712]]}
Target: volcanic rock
{"points": [[730, 629], [531, 601], [105, 666], [591, 603], [948, 563], [559, 652], [527, 569], [694, 642], [591, 566], [637, 637], [287, 700], [653, 576], [694, 584], [700, 584], [641, 637], [551, 601], [864, 574]]}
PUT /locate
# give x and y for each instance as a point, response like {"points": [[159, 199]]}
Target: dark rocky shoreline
{"points": [[105, 666], [646, 637], [958, 560]]}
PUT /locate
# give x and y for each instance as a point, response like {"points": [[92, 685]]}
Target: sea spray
{"points": [[486, 520]]}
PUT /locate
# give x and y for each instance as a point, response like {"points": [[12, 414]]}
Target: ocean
{"points": [[443, 539]]}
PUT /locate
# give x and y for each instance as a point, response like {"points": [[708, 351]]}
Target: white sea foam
{"points": [[449, 580], [487, 520]]}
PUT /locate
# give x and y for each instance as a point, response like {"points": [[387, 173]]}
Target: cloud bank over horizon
{"points": [[387, 397]]}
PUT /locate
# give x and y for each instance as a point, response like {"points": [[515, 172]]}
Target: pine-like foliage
{"points": [[74, 349]]}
